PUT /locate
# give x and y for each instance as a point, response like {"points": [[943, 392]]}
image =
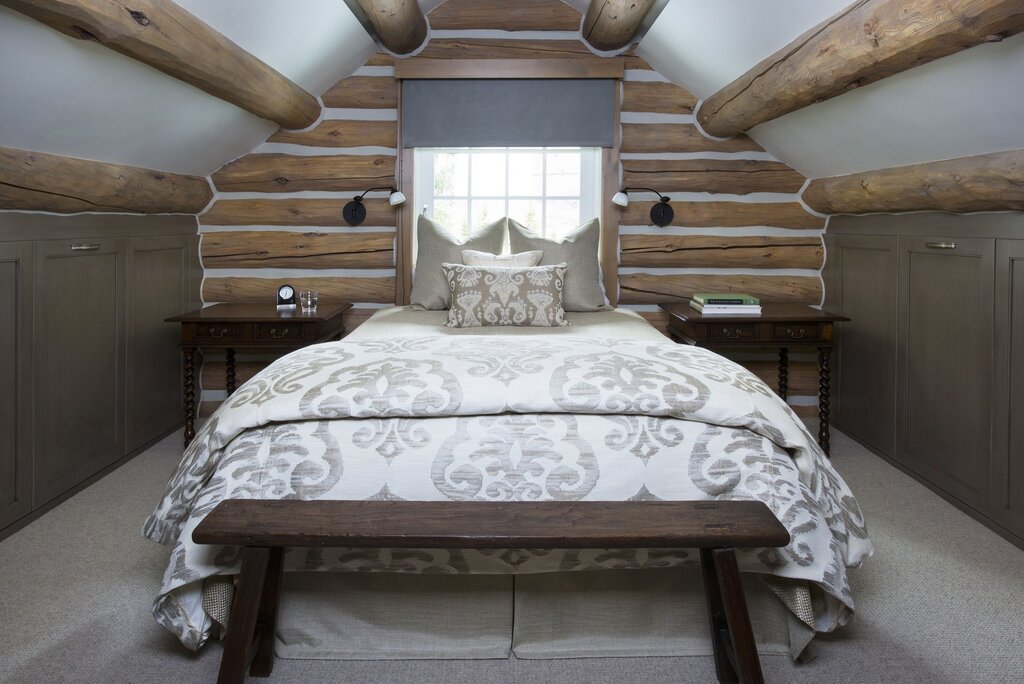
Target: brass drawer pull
{"points": [[279, 334], [83, 247], [941, 245], [793, 335], [218, 334], [737, 334]]}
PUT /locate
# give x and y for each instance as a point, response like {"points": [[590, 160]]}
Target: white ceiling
{"points": [[968, 103], [79, 99]]}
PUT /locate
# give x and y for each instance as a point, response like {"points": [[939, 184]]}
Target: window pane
{"points": [[451, 174], [489, 175], [526, 211], [564, 173], [526, 174], [486, 211], [563, 216], [452, 215]]}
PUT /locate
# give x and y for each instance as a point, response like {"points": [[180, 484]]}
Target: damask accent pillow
{"points": [[523, 259], [434, 246], [484, 296]]}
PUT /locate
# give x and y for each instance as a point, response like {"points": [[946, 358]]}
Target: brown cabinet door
{"points": [[79, 360], [157, 289], [1008, 453], [16, 381], [944, 363], [863, 283]]}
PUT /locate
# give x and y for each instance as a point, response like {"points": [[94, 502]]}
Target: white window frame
{"points": [[590, 181]]}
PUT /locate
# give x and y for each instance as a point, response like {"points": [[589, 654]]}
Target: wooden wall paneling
{"points": [[332, 289], [1007, 472], [291, 249], [342, 133], [732, 176], [363, 92], [694, 251], [679, 137], [655, 96], [286, 173], [526, 15], [15, 377], [653, 288], [727, 215], [288, 211]]}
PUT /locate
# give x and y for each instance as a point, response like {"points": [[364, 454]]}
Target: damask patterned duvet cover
{"points": [[508, 418]]}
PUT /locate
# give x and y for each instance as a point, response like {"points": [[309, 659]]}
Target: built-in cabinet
{"points": [[931, 366], [95, 369]]}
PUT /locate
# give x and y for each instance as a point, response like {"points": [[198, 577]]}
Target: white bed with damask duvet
{"points": [[605, 409]]}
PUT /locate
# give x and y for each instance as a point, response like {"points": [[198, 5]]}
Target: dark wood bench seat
{"points": [[265, 528]]}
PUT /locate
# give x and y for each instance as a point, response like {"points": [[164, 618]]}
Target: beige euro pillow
{"points": [[503, 295], [584, 285], [522, 260], [437, 245]]}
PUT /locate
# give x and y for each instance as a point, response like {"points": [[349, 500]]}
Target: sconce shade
{"points": [[396, 198], [621, 199]]}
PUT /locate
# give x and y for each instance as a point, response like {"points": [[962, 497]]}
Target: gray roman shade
{"points": [[508, 113]]}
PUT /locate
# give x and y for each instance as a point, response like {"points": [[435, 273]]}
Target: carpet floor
{"points": [[941, 601]]}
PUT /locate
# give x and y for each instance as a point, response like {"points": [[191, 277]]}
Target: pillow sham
{"points": [[523, 259], [584, 284], [435, 246], [485, 296]]}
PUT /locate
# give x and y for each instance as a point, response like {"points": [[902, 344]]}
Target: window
{"points": [[550, 190]]}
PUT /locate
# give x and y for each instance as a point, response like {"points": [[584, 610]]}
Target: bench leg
{"points": [[266, 621], [736, 657], [244, 612]]}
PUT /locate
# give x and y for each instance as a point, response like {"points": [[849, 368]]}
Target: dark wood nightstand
{"points": [[778, 326], [250, 327]]}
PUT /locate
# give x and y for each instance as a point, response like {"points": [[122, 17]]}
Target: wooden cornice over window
{"points": [[582, 67]]}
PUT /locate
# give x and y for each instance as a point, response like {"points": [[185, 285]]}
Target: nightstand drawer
{"points": [[216, 331], [796, 332], [278, 332], [732, 332]]}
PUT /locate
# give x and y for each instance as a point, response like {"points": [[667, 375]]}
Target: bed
{"points": [[603, 409]]}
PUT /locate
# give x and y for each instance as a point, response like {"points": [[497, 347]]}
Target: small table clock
{"points": [[286, 297]]}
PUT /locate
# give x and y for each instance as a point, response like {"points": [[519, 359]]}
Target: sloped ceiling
{"points": [[79, 99], [968, 103]]}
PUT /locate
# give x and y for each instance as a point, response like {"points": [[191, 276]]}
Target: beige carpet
{"points": [[941, 601]]}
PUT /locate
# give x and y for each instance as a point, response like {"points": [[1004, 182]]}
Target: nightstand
{"points": [[778, 326], [250, 327]]}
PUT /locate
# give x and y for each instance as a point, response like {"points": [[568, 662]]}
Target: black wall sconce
{"points": [[661, 213], [354, 212]]}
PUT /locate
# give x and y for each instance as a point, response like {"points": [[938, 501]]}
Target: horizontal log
{"points": [[986, 182], [649, 288], [677, 137], [714, 251], [868, 41], [399, 24], [164, 35], [287, 173], [612, 24], [288, 211], [726, 215], [503, 48], [574, 67], [634, 62], [733, 176], [363, 92], [343, 133], [289, 249], [331, 289], [529, 15], [34, 181], [655, 96], [380, 59]]}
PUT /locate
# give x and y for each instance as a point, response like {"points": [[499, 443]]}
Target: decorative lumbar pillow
{"points": [[435, 246], [523, 259], [584, 286], [505, 296]]}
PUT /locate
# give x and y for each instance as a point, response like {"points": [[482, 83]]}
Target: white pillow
{"points": [[471, 257]]}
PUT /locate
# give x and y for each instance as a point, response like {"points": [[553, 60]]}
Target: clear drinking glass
{"points": [[308, 299]]}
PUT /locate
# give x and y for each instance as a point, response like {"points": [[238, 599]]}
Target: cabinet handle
{"points": [[279, 334], [83, 247], [218, 334], [736, 333], [941, 245], [793, 335]]}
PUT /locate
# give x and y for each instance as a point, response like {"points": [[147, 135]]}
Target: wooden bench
{"points": [[265, 528]]}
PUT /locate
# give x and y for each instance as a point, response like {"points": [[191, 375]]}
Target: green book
{"points": [[714, 298]]}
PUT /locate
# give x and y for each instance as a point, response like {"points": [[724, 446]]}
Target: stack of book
{"points": [[732, 303]]}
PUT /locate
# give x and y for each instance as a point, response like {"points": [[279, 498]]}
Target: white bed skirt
{"points": [[384, 616]]}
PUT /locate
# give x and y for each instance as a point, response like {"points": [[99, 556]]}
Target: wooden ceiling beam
{"points": [[165, 36], [612, 24], [986, 182], [34, 181], [866, 42], [399, 24]]}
